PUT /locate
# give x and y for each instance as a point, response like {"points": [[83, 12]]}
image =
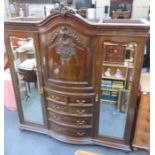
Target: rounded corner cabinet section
{"points": [[79, 81]]}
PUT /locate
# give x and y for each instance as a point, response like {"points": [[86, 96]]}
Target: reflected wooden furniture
{"points": [[28, 76], [142, 131], [28, 72], [69, 52]]}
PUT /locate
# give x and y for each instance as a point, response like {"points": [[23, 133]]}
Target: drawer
{"points": [[69, 110], [79, 121], [72, 132], [80, 101], [56, 97]]}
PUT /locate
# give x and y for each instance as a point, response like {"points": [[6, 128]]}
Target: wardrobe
{"points": [[77, 80]]}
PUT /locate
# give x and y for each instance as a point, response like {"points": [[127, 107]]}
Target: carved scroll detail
{"points": [[66, 42]]}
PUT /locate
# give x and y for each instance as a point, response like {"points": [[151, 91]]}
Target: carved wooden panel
{"points": [[68, 57]]}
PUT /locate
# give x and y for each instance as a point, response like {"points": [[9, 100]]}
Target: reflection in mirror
{"points": [[117, 73], [28, 81]]}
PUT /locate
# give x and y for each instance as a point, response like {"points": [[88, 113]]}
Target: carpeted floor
{"points": [[111, 122], [19, 142]]}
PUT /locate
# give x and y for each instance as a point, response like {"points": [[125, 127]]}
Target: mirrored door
{"points": [[28, 83], [115, 87]]}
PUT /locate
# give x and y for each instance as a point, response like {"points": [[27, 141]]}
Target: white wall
{"points": [[140, 8]]}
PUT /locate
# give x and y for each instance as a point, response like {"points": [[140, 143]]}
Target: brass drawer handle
{"points": [[57, 98], [80, 122], [77, 101], [53, 97], [83, 101], [80, 133], [55, 107], [56, 117], [80, 101], [80, 111]]}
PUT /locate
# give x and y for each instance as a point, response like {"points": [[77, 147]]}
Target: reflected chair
{"points": [[28, 76]]}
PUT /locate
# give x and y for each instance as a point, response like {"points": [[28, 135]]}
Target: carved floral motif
{"points": [[65, 42]]}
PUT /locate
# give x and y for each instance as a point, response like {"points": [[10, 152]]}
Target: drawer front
{"points": [[79, 121], [72, 132], [56, 97], [70, 110]]}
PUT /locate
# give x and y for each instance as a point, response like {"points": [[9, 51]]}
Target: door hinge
{"points": [[43, 60], [97, 98], [41, 90]]}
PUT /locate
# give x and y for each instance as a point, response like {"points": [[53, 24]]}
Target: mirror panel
{"points": [[25, 66], [116, 81]]}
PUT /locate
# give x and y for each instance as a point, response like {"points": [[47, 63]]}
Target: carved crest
{"points": [[62, 9], [66, 42]]}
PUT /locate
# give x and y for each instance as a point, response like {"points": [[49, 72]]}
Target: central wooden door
{"points": [[67, 59]]}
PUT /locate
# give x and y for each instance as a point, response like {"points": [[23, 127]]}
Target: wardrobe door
{"points": [[119, 77], [66, 57], [26, 77]]}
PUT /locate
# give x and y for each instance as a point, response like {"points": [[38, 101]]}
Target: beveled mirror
{"points": [[28, 82], [116, 81]]}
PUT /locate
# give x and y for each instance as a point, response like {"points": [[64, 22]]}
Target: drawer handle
{"points": [[53, 97], [80, 122], [56, 117], [57, 98], [56, 107], [80, 133], [80, 111], [77, 101], [81, 102]]}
